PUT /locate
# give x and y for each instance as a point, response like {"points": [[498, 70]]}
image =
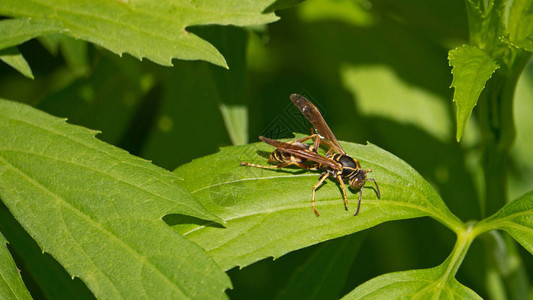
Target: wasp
{"points": [[336, 163]]}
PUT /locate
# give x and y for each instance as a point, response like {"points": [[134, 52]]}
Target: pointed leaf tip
{"points": [[471, 69]]}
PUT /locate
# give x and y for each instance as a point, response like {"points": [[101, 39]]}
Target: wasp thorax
{"points": [[349, 166]]}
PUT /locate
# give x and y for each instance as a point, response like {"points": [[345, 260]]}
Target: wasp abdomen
{"points": [[279, 156]]}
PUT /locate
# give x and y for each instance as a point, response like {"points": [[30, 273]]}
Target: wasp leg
{"points": [[359, 203], [320, 180], [339, 179], [316, 145], [312, 136]]}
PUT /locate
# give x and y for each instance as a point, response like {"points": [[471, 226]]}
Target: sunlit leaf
{"points": [[471, 69], [516, 218], [268, 212], [431, 283], [16, 31], [98, 210], [144, 29], [12, 57], [11, 285]]}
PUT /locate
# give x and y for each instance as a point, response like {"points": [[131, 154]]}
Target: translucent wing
{"points": [[300, 151], [313, 115]]}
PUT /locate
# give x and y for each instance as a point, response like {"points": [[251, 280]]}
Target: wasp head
{"points": [[357, 180]]}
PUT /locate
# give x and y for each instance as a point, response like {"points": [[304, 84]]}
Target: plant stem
{"points": [[464, 240], [497, 130], [496, 124]]}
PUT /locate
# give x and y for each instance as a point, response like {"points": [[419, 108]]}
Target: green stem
{"points": [[497, 129], [496, 123], [454, 261]]}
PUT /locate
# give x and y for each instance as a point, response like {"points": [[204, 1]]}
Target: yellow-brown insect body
{"points": [[279, 156], [336, 163]]}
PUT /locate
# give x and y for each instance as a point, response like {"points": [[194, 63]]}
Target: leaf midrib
{"points": [[435, 213], [103, 174]]}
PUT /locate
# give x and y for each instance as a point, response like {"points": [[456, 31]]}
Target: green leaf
{"points": [[14, 32], [324, 274], [525, 44], [268, 212], [520, 27], [11, 285], [434, 283], [282, 4], [155, 30], [413, 284], [12, 57], [516, 218], [98, 210], [43, 274], [486, 23], [471, 69]]}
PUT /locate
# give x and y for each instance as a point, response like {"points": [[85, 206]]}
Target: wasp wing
{"points": [[313, 115], [301, 151]]}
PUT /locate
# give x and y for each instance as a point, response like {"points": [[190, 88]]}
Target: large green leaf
{"points": [[16, 31], [98, 210], [516, 218], [11, 285], [142, 28], [268, 212], [431, 283], [471, 69]]}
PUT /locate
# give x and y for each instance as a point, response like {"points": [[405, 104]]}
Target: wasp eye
{"points": [[354, 182]]}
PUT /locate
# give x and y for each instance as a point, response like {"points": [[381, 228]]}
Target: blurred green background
{"points": [[378, 71]]}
